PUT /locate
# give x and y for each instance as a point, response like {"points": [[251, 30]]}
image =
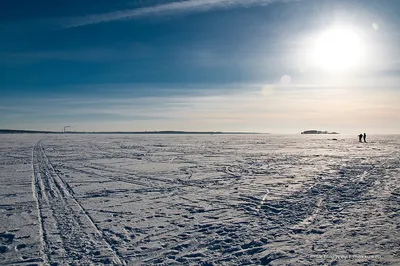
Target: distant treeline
{"points": [[11, 131], [172, 132]]}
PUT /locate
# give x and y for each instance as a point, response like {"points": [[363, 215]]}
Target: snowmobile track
{"points": [[68, 234]]}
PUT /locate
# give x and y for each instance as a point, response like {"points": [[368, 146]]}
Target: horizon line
{"points": [[10, 131]]}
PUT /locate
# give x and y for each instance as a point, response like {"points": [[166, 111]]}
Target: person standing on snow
{"points": [[365, 137], [360, 137]]}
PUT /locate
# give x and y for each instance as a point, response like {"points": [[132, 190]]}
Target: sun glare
{"points": [[338, 50]]}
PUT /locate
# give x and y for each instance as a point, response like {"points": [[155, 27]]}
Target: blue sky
{"points": [[201, 65]]}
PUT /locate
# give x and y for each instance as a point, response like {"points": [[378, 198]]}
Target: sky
{"points": [[276, 66]]}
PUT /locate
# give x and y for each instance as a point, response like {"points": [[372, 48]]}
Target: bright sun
{"points": [[337, 50]]}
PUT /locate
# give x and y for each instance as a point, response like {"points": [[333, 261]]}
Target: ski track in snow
{"points": [[68, 234], [215, 200]]}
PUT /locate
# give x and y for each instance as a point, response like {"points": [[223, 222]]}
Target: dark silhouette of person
{"points": [[360, 137], [365, 137]]}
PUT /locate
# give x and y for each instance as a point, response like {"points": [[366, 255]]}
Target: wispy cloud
{"points": [[291, 108], [178, 7]]}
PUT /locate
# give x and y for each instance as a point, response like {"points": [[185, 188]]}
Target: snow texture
{"points": [[199, 200]]}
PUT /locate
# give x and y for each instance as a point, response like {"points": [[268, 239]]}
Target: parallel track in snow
{"points": [[68, 234]]}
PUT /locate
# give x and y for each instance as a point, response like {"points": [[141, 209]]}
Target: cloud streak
{"points": [[181, 7]]}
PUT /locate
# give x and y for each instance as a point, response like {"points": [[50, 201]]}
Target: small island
{"points": [[313, 131]]}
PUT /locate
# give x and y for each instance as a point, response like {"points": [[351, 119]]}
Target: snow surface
{"points": [[199, 200]]}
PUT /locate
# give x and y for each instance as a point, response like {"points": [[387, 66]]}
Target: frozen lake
{"points": [[199, 199]]}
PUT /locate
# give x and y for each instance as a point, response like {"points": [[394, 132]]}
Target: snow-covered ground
{"points": [[199, 199]]}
